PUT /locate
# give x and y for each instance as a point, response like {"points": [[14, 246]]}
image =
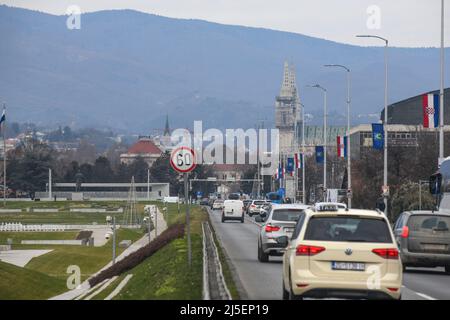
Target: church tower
{"points": [[287, 110]]}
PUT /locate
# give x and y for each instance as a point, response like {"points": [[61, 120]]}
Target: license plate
{"points": [[434, 247], [353, 266], [289, 230]]}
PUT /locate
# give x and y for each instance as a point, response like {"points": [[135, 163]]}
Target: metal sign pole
{"points": [[114, 241], [188, 222]]}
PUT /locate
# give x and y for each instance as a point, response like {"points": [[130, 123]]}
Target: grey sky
{"points": [[409, 23]]}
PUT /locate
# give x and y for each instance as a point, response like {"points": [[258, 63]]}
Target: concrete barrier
{"points": [[5, 247], [55, 242], [10, 210], [44, 210], [88, 210]]}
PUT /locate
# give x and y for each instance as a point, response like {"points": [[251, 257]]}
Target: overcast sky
{"points": [[408, 23]]}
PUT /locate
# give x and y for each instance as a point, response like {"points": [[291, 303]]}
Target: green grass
{"points": [[17, 237], [89, 259], [166, 274], [19, 283]]}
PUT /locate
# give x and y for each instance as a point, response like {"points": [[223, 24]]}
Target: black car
{"points": [[204, 202]]}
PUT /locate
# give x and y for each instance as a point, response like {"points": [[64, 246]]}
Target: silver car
{"points": [[279, 221]]}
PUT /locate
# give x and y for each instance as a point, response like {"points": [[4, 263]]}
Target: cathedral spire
{"points": [[167, 129]]}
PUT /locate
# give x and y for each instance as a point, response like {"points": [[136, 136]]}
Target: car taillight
{"points": [[303, 250], [270, 228], [405, 232], [386, 253]]}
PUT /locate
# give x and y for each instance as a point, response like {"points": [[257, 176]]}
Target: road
{"points": [[263, 280]]}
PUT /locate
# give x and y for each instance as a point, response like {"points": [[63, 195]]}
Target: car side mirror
{"points": [[258, 219], [435, 183], [263, 213], [283, 240]]}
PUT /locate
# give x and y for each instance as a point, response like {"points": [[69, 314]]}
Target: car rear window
{"points": [[354, 229], [286, 214], [418, 223], [258, 203]]}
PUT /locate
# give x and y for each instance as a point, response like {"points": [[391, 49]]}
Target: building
{"points": [[144, 148], [287, 110], [410, 111], [399, 135], [164, 141]]}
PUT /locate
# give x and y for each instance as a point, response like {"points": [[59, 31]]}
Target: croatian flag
{"points": [[341, 146], [298, 160], [290, 166], [430, 107]]}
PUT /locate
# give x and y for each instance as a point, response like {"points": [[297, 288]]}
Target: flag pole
{"points": [[441, 91], [4, 159]]}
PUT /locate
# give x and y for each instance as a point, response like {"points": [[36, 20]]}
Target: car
{"points": [[204, 202], [423, 238], [217, 205], [233, 210], [336, 253], [280, 221], [255, 206]]}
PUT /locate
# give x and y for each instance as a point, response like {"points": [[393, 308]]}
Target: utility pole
{"points": [[148, 184], [349, 154], [385, 171], [114, 241], [441, 92], [188, 224], [302, 158]]}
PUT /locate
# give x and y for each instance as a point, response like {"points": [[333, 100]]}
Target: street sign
{"points": [[182, 159]]}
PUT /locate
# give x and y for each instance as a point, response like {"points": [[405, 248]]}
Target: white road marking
{"points": [[425, 296]]}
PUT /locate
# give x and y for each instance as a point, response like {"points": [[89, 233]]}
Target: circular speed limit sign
{"points": [[182, 159]]}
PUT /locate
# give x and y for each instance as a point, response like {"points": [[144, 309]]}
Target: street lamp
{"points": [[441, 91], [324, 135], [303, 153], [349, 167], [385, 180]]}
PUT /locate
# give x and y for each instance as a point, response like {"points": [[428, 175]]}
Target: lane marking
{"points": [[425, 296]]}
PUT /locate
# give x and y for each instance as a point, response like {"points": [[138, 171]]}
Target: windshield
{"points": [[273, 196], [355, 229], [286, 214]]}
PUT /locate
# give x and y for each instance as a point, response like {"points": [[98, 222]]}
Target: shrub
{"points": [[129, 262]]}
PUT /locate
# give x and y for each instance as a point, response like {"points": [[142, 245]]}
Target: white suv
{"points": [[341, 254]]}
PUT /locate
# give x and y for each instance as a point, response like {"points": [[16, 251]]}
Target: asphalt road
{"points": [[263, 280]]}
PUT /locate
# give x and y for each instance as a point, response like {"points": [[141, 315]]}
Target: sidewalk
{"points": [[161, 227]]}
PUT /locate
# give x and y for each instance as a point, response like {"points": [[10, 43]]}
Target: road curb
{"points": [[243, 295]]}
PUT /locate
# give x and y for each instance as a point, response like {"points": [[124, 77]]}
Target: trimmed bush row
{"points": [[133, 259]]}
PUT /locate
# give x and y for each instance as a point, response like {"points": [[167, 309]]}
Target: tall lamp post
{"points": [[441, 91], [324, 136], [349, 165], [303, 154], [385, 180]]}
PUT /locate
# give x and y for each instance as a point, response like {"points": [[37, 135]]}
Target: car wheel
{"points": [[293, 296], [404, 268], [223, 219], [447, 269], [285, 292], [242, 219], [262, 257]]}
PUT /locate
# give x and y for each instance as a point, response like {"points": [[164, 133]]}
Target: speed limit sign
{"points": [[182, 159]]}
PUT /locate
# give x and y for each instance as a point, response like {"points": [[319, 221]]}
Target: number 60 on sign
{"points": [[182, 159]]}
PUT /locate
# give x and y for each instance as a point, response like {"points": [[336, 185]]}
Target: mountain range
{"points": [[125, 70]]}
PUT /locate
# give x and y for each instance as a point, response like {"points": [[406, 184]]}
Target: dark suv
{"points": [[424, 239]]}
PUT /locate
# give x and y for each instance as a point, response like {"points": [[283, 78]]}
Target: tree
{"points": [[406, 198], [28, 168], [102, 171], [161, 171]]}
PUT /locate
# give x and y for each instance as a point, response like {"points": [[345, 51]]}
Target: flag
{"points": [[290, 167], [378, 135], [280, 171], [341, 146], [319, 154], [298, 157], [430, 107], [3, 117]]}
